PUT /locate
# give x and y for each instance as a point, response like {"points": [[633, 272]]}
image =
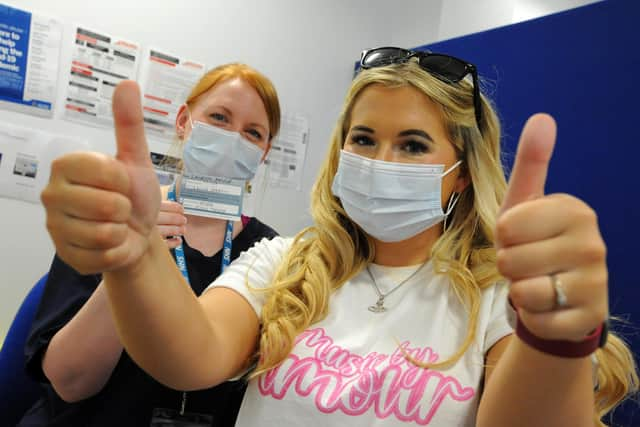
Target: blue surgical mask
{"points": [[391, 201], [213, 151]]}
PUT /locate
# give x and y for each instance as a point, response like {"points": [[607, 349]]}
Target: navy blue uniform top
{"points": [[130, 395]]}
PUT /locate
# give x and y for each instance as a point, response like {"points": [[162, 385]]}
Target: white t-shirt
{"points": [[348, 369]]}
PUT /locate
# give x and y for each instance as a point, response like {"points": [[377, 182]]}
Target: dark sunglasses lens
{"points": [[384, 56], [447, 67]]}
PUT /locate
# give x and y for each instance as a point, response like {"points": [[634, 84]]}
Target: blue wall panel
{"points": [[583, 67]]}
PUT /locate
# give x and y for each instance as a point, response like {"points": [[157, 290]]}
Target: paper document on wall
{"points": [[29, 61], [99, 62], [166, 81], [288, 154], [25, 160]]}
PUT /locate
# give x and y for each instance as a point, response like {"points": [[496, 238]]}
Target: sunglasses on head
{"points": [[444, 67]]}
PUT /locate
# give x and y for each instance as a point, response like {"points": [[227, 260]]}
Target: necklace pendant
{"points": [[379, 307]]}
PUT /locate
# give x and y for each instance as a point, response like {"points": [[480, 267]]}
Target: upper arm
{"points": [[493, 356], [236, 326], [233, 303]]}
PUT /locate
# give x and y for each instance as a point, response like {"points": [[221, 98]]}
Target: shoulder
{"points": [[259, 229], [254, 270], [270, 249], [494, 297], [497, 291], [499, 314], [259, 262]]}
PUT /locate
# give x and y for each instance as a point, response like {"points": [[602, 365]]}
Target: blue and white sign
{"points": [[29, 61]]}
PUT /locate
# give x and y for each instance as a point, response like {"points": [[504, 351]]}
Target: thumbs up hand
{"points": [[545, 239], [101, 210]]}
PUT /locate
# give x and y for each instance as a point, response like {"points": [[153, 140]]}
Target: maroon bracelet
{"points": [[563, 348]]}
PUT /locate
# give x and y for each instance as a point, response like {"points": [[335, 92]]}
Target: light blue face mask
{"points": [[391, 201], [213, 151]]}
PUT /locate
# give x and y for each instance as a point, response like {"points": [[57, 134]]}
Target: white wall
{"points": [[460, 17], [306, 48]]}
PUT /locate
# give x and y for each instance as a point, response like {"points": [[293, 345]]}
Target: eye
{"points": [[219, 117], [361, 140], [255, 134], [415, 147]]}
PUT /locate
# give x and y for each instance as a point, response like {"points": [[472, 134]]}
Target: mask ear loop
{"points": [[190, 119], [453, 200]]}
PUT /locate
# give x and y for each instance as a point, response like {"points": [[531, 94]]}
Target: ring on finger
{"points": [[558, 288]]}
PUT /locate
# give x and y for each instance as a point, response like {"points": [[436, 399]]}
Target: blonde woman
{"points": [[393, 308], [74, 348]]}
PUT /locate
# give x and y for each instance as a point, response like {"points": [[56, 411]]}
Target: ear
{"points": [[183, 126], [462, 181]]}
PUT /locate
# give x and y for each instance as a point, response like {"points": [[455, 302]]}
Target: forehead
{"points": [[402, 107], [234, 94]]}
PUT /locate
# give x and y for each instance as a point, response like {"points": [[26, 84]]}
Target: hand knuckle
{"points": [[503, 230], [517, 293], [603, 277], [46, 197], [503, 261], [106, 210], [122, 207], [584, 214], [52, 224], [592, 251], [565, 198], [103, 174], [57, 166], [599, 314], [105, 235], [108, 259], [107, 172]]}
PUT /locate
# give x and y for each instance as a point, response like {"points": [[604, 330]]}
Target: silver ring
{"points": [[561, 296]]}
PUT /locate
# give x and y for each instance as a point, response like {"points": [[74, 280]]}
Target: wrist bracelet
{"points": [[563, 348]]}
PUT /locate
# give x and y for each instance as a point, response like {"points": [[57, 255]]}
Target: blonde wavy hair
{"points": [[326, 255]]}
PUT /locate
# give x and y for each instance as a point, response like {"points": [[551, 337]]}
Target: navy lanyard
{"points": [[179, 252]]}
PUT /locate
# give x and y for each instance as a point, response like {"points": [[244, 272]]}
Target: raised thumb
{"points": [[129, 124]]}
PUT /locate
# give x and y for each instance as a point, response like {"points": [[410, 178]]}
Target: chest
{"points": [[356, 363]]}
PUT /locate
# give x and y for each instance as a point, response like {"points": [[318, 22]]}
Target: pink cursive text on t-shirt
{"points": [[340, 380]]}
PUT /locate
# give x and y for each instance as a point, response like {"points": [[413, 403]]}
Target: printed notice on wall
{"points": [[29, 60], [99, 62], [25, 160], [288, 153], [166, 82]]}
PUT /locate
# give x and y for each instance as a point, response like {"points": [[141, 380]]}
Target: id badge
{"points": [[163, 417], [213, 197]]}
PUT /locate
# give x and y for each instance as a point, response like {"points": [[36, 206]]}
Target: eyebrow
{"points": [[408, 132], [222, 107], [416, 132], [363, 129]]}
